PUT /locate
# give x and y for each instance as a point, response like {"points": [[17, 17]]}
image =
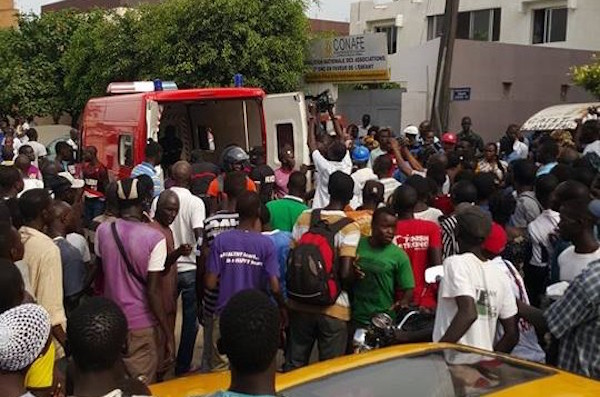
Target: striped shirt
{"points": [[449, 242], [220, 222], [346, 242], [145, 168], [574, 319]]}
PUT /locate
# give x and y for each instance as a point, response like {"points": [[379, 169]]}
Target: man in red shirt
{"points": [[95, 175], [422, 242]]}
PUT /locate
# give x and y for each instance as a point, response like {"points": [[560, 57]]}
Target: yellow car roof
{"points": [[552, 383]]}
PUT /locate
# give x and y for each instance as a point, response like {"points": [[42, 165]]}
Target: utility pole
{"points": [[441, 94]]}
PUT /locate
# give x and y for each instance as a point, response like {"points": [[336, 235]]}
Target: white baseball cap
{"points": [[75, 183], [411, 130]]}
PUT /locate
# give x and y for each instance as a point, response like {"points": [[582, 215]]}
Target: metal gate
{"points": [[384, 106]]}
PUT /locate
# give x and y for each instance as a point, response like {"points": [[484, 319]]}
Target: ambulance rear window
{"points": [[285, 136], [126, 150]]}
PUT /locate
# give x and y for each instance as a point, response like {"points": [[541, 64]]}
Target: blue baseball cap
{"points": [[594, 208], [360, 154]]}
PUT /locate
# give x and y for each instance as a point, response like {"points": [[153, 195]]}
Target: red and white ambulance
{"points": [[120, 124]]}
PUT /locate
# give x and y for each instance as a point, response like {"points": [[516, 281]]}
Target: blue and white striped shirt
{"points": [[146, 168]]}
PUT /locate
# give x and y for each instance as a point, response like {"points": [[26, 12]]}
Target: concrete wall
{"points": [[538, 75], [516, 24], [7, 14]]}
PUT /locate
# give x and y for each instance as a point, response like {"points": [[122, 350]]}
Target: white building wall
{"points": [[516, 24]]}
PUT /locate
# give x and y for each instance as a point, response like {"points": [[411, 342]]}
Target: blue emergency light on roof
{"points": [[238, 80], [140, 86]]}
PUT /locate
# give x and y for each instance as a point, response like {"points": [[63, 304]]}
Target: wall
{"points": [[7, 14], [485, 66], [516, 22]]}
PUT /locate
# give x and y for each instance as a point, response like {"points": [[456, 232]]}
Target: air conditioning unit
{"points": [[399, 20]]}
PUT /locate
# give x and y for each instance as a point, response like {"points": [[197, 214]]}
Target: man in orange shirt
{"points": [[234, 158]]}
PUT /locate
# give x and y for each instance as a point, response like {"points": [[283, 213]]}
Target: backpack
{"points": [[312, 267]]}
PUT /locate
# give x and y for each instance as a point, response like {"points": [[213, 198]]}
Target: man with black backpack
{"points": [[320, 267]]}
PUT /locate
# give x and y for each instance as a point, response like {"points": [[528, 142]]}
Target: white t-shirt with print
{"points": [[571, 263], [467, 275], [430, 214], [324, 169], [528, 347]]}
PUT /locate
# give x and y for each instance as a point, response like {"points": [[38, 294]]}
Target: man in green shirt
{"points": [[383, 268], [285, 211], [467, 134]]}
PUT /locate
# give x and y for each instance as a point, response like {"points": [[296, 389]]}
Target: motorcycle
{"points": [[381, 331]]}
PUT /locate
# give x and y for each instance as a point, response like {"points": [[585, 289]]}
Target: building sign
{"points": [[348, 59], [461, 94]]}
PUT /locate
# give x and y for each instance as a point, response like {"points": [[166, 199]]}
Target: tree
{"points": [[103, 49], [200, 43], [588, 76], [37, 78]]}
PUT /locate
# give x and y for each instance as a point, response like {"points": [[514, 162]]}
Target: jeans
{"points": [[212, 360], [92, 208], [306, 328], [186, 286]]}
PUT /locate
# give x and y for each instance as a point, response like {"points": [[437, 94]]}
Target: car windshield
{"points": [[440, 373]]}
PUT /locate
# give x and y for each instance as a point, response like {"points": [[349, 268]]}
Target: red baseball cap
{"points": [[496, 240], [450, 137]]}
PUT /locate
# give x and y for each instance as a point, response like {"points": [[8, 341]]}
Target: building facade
{"points": [[8, 13], [569, 24], [513, 56]]}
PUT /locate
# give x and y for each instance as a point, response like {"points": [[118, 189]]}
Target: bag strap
{"points": [[315, 218], [339, 225], [130, 268]]}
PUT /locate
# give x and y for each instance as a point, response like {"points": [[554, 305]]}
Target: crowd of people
{"points": [[92, 268]]}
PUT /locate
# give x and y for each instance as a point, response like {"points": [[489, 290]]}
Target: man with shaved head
{"points": [[167, 208], [73, 266], [187, 229]]}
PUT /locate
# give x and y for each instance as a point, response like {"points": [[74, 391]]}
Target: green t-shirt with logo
{"points": [[285, 212], [386, 270]]}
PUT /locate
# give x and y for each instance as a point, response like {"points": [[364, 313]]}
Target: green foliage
{"points": [[201, 43], [588, 76], [55, 62], [32, 80]]}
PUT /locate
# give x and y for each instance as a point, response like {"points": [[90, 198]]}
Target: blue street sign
{"points": [[461, 94]]}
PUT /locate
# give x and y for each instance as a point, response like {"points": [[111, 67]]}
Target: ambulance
{"points": [[120, 124]]}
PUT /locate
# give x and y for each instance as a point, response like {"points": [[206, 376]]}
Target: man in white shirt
{"points": [[474, 295], [187, 229], [360, 158], [39, 149], [577, 226], [363, 130], [541, 233], [383, 167], [336, 158]]}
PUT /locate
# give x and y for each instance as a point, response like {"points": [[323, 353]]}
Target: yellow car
{"points": [[434, 369]]}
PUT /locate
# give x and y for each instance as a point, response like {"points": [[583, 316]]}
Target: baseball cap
{"points": [[474, 221], [496, 240], [594, 208], [75, 183], [411, 130], [450, 137], [360, 154], [24, 333]]}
